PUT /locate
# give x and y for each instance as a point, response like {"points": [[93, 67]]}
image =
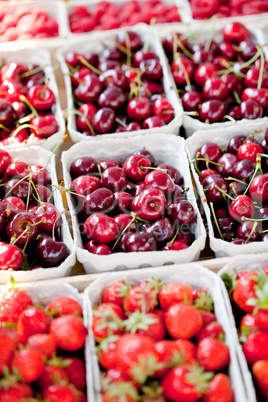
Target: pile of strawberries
{"points": [[107, 15], [41, 349], [248, 292], [26, 23], [160, 342], [202, 9]]}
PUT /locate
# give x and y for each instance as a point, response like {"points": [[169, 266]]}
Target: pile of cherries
{"points": [[22, 23], [235, 182], [30, 230], [107, 15], [26, 104], [136, 206], [220, 81], [120, 89]]}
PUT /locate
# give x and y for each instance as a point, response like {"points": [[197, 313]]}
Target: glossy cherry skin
{"points": [[212, 111], [44, 194], [123, 220], [123, 201], [16, 205], [215, 88], [235, 112], [41, 97], [18, 188], [7, 113], [152, 122], [108, 163], [151, 69], [172, 172], [162, 230], [243, 170], [226, 225], [244, 230], [249, 151], [175, 245], [112, 53], [101, 228], [135, 167], [44, 126], [129, 40], [138, 241], [50, 217], [204, 72], [212, 193], [146, 153], [163, 109], [16, 170], [103, 120], [17, 226], [149, 204], [88, 111], [99, 249], [83, 165], [178, 67], [227, 160], [142, 55], [100, 200], [205, 173], [235, 142], [84, 185], [252, 78], [51, 253], [5, 160], [183, 211], [114, 77], [112, 97], [258, 95], [139, 109], [10, 256], [168, 42], [78, 76], [114, 179], [109, 65], [247, 49], [40, 175], [235, 32], [191, 101], [210, 151], [89, 89], [251, 110], [258, 188], [241, 206], [160, 180], [227, 50]]}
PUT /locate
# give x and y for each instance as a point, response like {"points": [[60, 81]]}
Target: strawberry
{"points": [[113, 376], [244, 290], [256, 347], [212, 330], [260, 302], [12, 303], [146, 324], [116, 292], [260, 373], [15, 392], [207, 317], [32, 321], [45, 343], [152, 283], [248, 324], [212, 354], [107, 321], [51, 375], [219, 390], [69, 332], [202, 299], [64, 305], [140, 299], [175, 292], [76, 372], [185, 383], [59, 392], [121, 391], [29, 364], [108, 352], [7, 346], [183, 321]]}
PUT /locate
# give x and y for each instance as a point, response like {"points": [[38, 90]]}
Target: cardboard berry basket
{"points": [[39, 156], [251, 262], [200, 32], [40, 57], [194, 275], [166, 149], [221, 137], [96, 42], [183, 6]]}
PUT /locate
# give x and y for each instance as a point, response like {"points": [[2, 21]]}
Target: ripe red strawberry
{"points": [[108, 353], [146, 324], [113, 376], [260, 373], [256, 347], [212, 330], [140, 299], [32, 321], [183, 321], [185, 383], [76, 372], [7, 347], [175, 292], [51, 375], [64, 305], [29, 364], [207, 317], [248, 324], [262, 319], [16, 392], [116, 292], [58, 392], [45, 343], [12, 303], [245, 290], [69, 332], [107, 321], [212, 354], [219, 390]]}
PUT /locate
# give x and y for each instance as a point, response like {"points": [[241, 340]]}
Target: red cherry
{"points": [[41, 97], [259, 188], [50, 216], [5, 160], [163, 109], [139, 108], [175, 245], [235, 32], [258, 95], [249, 151], [241, 206], [160, 180], [212, 110], [215, 88], [204, 72], [45, 125], [16, 227], [84, 185], [10, 256], [135, 167], [149, 204], [88, 111], [101, 228], [178, 67], [250, 110]]}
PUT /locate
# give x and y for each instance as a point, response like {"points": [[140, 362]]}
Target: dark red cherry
{"points": [[18, 188], [78, 76], [44, 126], [235, 32], [103, 121], [114, 77], [210, 151], [51, 253], [243, 170], [112, 97], [140, 241], [109, 65], [50, 217], [213, 194], [258, 95], [99, 249], [142, 55], [89, 89], [175, 245], [205, 173], [149, 204], [252, 78], [44, 194], [135, 167], [183, 211], [250, 110], [212, 111], [17, 226], [40, 175], [123, 201], [202, 56], [88, 111], [227, 160], [82, 166], [152, 122], [84, 185], [101, 228], [235, 112], [129, 40], [108, 163], [186, 235], [235, 142], [259, 188], [139, 108], [114, 179], [172, 172], [5, 160], [163, 109], [112, 53], [7, 113], [227, 50], [151, 70], [17, 170], [249, 151], [191, 101], [168, 42], [204, 72], [100, 200], [162, 230], [146, 153], [241, 206], [123, 220], [215, 88], [247, 49], [178, 68], [245, 229], [160, 180], [16, 205]]}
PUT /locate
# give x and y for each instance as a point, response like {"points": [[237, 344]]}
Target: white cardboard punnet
{"points": [[166, 148]]}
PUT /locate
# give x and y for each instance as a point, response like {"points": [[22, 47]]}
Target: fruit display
{"points": [[246, 281], [106, 15], [221, 78], [34, 233], [122, 88], [130, 197], [42, 344], [29, 103], [232, 178], [163, 336]]}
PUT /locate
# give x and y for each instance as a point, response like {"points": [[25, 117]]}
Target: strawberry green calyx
{"points": [[177, 358], [204, 301], [9, 378], [152, 283], [153, 393], [108, 319], [123, 288], [56, 361], [122, 391], [103, 345], [199, 378], [144, 368], [138, 321], [261, 289], [230, 282]]}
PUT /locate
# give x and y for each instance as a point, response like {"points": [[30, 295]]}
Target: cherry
{"points": [[123, 201], [235, 142], [245, 229], [241, 206], [226, 225], [109, 65], [215, 88], [103, 120], [163, 109], [186, 236], [101, 228], [250, 110], [212, 110], [7, 113], [235, 32], [213, 194], [142, 55], [44, 126], [114, 77], [44, 194], [16, 205], [168, 42], [139, 108], [18, 188], [41, 97], [160, 180], [123, 220], [78, 76], [40, 175], [146, 153], [129, 40], [249, 151], [138, 241], [202, 56], [151, 69], [172, 172], [16, 170], [51, 253], [235, 112], [227, 162], [263, 212], [89, 89], [108, 163], [111, 54], [191, 101], [17, 226], [205, 173], [152, 122], [88, 111], [5, 160], [175, 245], [10, 256], [152, 89], [135, 167], [84, 185], [204, 72], [112, 97], [244, 169], [252, 78], [183, 211], [149, 204], [258, 95], [83, 165], [210, 151], [264, 237], [99, 249], [178, 68], [50, 217], [114, 179], [247, 49], [236, 188], [259, 188], [162, 229], [227, 50]]}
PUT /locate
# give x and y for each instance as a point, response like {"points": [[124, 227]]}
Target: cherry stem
{"points": [[42, 94], [237, 97], [209, 39], [5, 128], [23, 99], [253, 219], [90, 66], [126, 50], [99, 170], [18, 129], [257, 168], [254, 58], [54, 224], [120, 122], [37, 194], [264, 231], [227, 117], [261, 67], [77, 112], [153, 168], [179, 43], [55, 150], [14, 239], [224, 193], [28, 196], [252, 231], [195, 164], [168, 112], [67, 190], [33, 71], [212, 162], [185, 73], [215, 219], [174, 237], [25, 119], [194, 113], [237, 180], [134, 216], [233, 188]]}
